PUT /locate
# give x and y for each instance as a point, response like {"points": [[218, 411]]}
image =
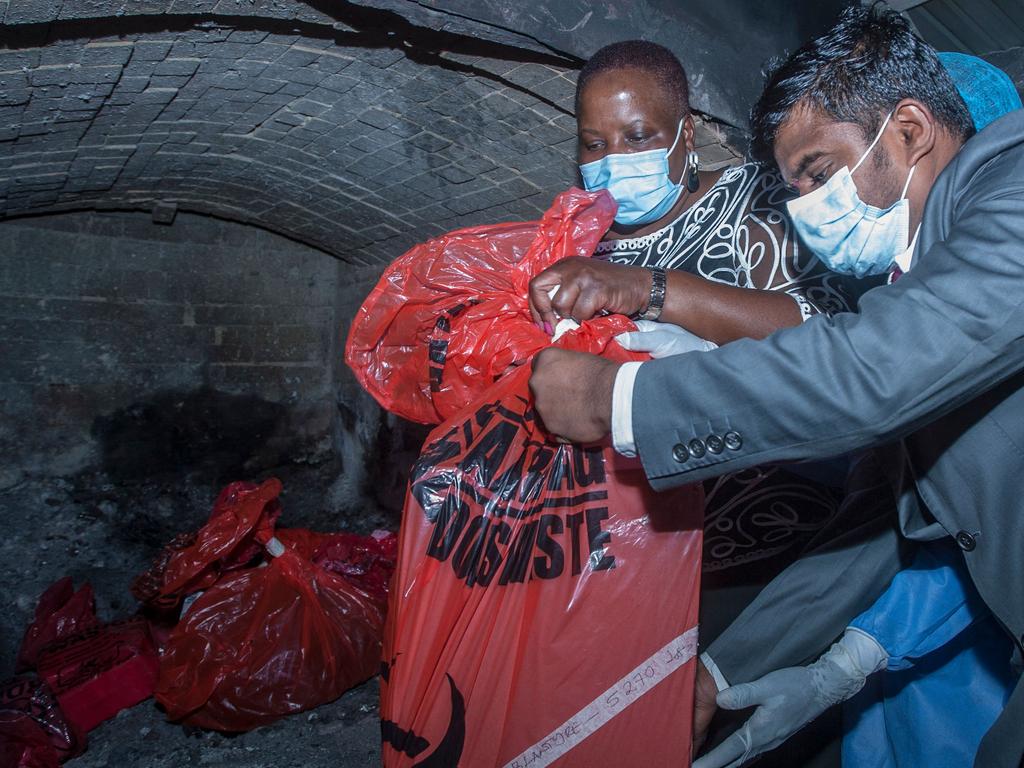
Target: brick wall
{"points": [[146, 345]]}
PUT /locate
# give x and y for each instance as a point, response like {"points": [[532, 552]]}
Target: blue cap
{"points": [[988, 91]]}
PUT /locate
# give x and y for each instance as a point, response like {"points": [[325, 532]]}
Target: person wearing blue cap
{"points": [[925, 384], [903, 666], [988, 92], [929, 637]]}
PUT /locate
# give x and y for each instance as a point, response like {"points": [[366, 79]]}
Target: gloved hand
{"points": [[788, 699], [662, 340]]}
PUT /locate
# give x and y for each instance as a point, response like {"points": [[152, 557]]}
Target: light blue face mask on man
{"points": [[639, 182], [846, 233]]}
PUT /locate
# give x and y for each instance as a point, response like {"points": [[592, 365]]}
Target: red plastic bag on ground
{"points": [[98, 672], [243, 516], [367, 561], [262, 642], [23, 744], [147, 585], [33, 731], [450, 316], [61, 612], [544, 609]]}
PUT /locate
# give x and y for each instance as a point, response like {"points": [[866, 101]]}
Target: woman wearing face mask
{"points": [[709, 236], [713, 252]]}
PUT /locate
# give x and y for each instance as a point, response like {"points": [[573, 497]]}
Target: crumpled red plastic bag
{"points": [[99, 671], [367, 561], [451, 315], [33, 731], [24, 744], [147, 585], [275, 638], [544, 608], [61, 611], [93, 670], [243, 515]]}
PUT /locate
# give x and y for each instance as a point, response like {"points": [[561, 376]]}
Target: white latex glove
{"points": [[565, 324], [662, 340], [788, 699]]}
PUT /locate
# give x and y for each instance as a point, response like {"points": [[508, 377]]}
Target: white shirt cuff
{"points": [[622, 409], [716, 673]]}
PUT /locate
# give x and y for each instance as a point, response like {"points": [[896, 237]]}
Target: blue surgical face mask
{"points": [[639, 182], [846, 233]]}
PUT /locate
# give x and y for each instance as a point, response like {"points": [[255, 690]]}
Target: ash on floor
{"points": [[342, 734]]}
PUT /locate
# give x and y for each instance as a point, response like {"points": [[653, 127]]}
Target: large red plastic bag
{"points": [[544, 609], [281, 636], [545, 604], [450, 316]]}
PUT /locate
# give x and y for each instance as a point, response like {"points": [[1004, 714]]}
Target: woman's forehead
{"points": [[627, 90]]}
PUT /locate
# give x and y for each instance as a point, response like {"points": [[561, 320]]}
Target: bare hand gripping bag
{"points": [[544, 607]]}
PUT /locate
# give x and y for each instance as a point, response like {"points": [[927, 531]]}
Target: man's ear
{"points": [[917, 129]]}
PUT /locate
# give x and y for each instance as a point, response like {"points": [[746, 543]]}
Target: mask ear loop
{"points": [[872, 145], [679, 132], [690, 169], [906, 186]]}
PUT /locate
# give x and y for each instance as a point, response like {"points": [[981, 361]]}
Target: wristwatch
{"points": [[656, 302]]}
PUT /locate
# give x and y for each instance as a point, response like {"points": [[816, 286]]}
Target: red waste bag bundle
{"points": [[449, 317], [544, 608], [88, 671], [98, 672], [61, 612], [34, 733], [94, 669], [280, 636]]}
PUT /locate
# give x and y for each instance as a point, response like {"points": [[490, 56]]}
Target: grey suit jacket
{"points": [[933, 364]]}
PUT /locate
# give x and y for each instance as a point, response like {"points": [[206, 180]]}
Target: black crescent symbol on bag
{"points": [[449, 750]]}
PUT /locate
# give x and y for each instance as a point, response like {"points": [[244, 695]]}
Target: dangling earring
{"points": [[692, 180]]}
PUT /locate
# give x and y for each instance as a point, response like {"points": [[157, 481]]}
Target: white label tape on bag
{"points": [[642, 679]]}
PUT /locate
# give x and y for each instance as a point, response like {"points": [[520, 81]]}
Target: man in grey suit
{"points": [[926, 381]]}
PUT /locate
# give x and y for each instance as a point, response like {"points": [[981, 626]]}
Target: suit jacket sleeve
{"points": [[939, 337], [840, 574]]}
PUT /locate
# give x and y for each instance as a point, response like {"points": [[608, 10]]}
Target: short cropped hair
{"points": [[652, 58], [856, 73]]}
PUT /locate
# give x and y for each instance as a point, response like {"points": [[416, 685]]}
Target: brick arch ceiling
{"points": [[359, 132], [356, 129]]}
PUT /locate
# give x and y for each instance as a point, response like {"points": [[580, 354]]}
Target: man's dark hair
{"points": [[652, 58], [856, 73]]}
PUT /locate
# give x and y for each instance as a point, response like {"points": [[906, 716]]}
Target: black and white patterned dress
{"points": [[739, 234]]}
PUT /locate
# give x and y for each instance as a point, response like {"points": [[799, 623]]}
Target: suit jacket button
{"points": [[715, 443], [965, 541], [733, 441], [697, 448], [679, 453]]}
